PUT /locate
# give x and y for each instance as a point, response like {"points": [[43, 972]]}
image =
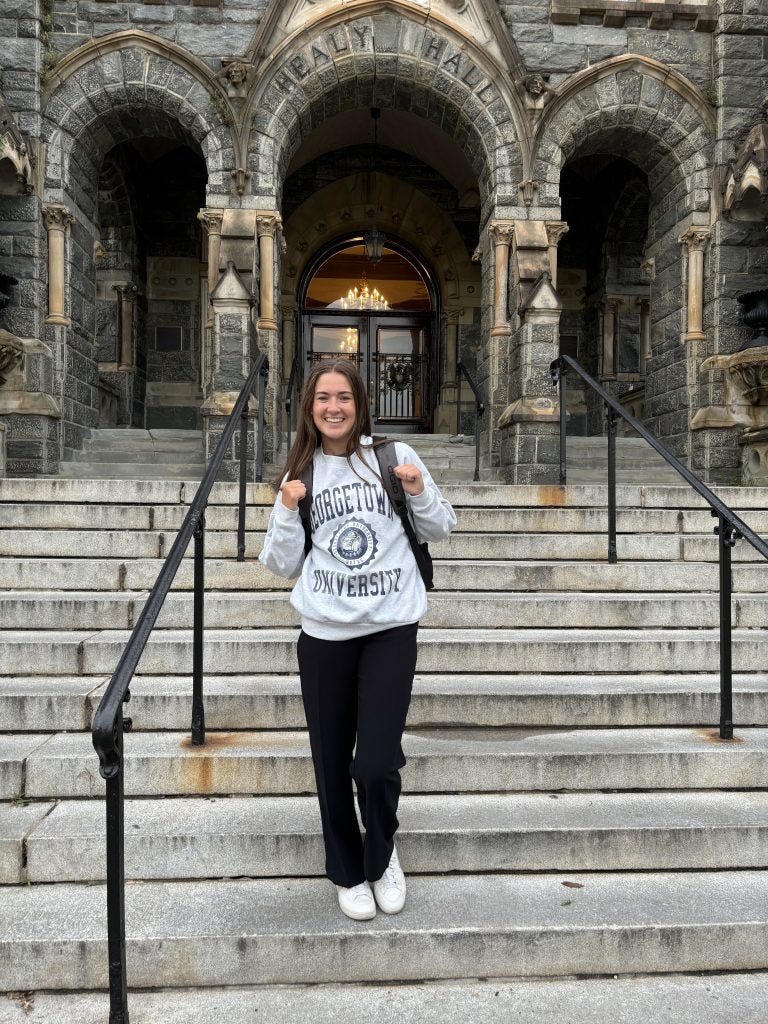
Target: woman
{"points": [[360, 596]]}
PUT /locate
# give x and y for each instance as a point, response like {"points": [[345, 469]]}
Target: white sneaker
{"points": [[357, 902], [389, 890]]}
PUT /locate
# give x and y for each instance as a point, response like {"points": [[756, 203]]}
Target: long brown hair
{"points": [[308, 437]]}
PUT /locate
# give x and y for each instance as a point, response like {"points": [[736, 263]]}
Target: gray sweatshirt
{"points": [[360, 576]]}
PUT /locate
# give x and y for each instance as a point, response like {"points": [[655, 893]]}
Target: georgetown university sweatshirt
{"points": [[360, 576]]}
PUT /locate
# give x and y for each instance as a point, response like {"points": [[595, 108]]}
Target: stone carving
{"points": [[11, 354], [16, 177], [746, 181], [237, 77], [536, 92]]}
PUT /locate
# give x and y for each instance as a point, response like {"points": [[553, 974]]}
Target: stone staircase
{"points": [[129, 454], [568, 808]]}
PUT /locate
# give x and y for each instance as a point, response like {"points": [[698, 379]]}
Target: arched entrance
{"points": [[380, 313]]}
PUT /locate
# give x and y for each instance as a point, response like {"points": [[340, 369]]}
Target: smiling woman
{"points": [[360, 595]]}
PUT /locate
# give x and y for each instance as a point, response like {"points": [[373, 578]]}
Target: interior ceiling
{"points": [[398, 130]]}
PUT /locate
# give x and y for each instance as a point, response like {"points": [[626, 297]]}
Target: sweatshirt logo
{"points": [[354, 543]]}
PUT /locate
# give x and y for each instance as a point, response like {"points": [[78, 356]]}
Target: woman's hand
{"points": [[291, 494], [411, 478]]}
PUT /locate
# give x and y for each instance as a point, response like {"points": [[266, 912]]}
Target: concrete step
{"points": [[281, 836], [132, 471], [37, 609], [68, 574], [482, 495], [243, 931], [64, 765], [83, 652], [718, 999], [51, 703]]}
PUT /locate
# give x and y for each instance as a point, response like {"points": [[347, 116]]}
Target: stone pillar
{"points": [[502, 233], [610, 308], [57, 219], [529, 426], [645, 334], [211, 221], [695, 240], [267, 226], [126, 294], [232, 351], [288, 313], [445, 414], [555, 231]]}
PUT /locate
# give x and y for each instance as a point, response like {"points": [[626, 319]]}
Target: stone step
{"points": [[483, 495], [64, 765], [718, 999], [51, 703], [83, 652], [113, 574], [281, 836], [470, 520], [244, 931], [37, 609], [475, 546], [159, 471]]}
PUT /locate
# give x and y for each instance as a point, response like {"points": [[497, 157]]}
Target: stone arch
{"points": [[111, 89], [427, 70], [408, 214], [637, 108]]}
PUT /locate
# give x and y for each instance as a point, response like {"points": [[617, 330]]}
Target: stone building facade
{"points": [[183, 184]]}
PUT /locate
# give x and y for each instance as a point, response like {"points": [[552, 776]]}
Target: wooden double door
{"points": [[392, 352]]}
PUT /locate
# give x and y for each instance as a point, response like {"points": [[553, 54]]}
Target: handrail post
{"points": [[612, 553], [726, 538], [115, 811], [479, 410], [241, 497], [563, 419], [460, 371], [260, 429], [198, 709]]}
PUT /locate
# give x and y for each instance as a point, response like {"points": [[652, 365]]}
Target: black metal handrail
{"points": [[108, 722], [729, 529], [290, 387], [479, 410]]}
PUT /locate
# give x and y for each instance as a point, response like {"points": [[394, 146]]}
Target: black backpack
{"points": [[387, 459]]}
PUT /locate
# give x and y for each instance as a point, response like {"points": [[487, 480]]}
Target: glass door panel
{"points": [[400, 361], [335, 341]]}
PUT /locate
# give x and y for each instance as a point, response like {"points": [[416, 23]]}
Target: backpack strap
{"points": [[386, 456], [305, 505]]}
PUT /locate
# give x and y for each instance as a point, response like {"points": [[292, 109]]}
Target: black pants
{"points": [[356, 695]]}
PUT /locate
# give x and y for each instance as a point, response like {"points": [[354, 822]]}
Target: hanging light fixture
{"points": [[362, 297], [374, 239]]}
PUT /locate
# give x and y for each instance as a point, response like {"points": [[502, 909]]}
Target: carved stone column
{"points": [[267, 226], [695, 239], [288, 313], [556, 229], [211, 221], [126, 294], [610, 309], [645, 334], [502, 233], [57, 219]]}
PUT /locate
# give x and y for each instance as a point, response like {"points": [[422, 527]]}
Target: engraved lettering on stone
{"points": [[319, 56]]}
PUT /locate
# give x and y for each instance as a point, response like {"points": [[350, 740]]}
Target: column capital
{"points": [[268, 224], [556, 229], [453, 316], [648, 267], [125, 291], [695, 238], [211, 220], [57, 217], [502, 231]]}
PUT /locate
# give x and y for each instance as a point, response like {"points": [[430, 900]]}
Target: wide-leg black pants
{"points": [[356, 695]]}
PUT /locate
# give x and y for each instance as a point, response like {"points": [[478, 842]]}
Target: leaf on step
{"points": [[572, 885]]}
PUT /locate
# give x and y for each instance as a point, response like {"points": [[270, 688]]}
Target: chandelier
{"points": [[349, 341], [362, 297]]}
